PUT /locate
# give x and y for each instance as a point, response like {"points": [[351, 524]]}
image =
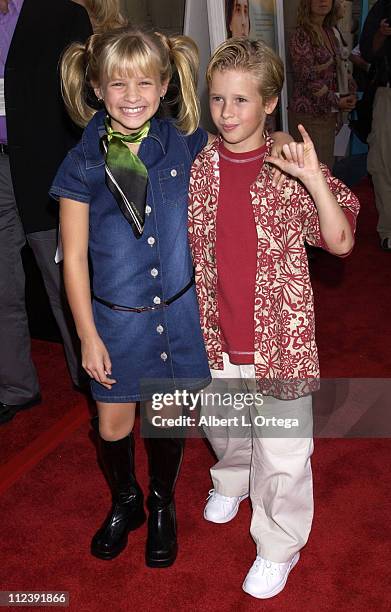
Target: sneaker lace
{"points": [[267, 567], [212, 493]]}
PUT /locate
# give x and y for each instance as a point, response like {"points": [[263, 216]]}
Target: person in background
{"points": [[104, 14], [345, 81], [360, 68], [316, 101], [237, 17], [375, 46], [344, 71], [35, 135]]}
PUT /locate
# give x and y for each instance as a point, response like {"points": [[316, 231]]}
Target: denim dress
{"points": [[158, 350]]}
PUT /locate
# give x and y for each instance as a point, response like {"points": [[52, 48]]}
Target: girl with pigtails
{"points": [[123, 194], [123, 202]]}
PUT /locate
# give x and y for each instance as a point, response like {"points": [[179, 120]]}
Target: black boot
{"points": [[127, 512], [165, 457]]}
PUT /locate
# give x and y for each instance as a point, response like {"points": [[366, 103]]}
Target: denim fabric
{"points": [[163, 344]]}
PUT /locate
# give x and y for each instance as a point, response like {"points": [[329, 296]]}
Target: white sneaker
{"points": [[266, 578], [220, 508]]}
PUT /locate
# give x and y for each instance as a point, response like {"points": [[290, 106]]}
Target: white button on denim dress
{"points": [[158, 350]]}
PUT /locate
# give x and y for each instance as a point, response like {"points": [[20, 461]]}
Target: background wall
{"points": [[165, 15]]}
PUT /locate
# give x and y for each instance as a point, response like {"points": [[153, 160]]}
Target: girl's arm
{"points": [[74, 221], [334, 225], [279, 140]]}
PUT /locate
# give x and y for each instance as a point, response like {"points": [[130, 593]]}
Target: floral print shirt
{"points": [[314, 74], [286, 358]]}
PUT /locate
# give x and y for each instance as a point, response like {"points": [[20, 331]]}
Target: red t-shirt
{"points": [[236, 252]]}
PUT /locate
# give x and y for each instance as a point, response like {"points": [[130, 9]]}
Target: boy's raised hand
{"points": [[300, 159]]}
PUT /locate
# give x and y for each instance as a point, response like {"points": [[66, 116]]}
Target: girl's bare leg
{"points": [[115, 420]]}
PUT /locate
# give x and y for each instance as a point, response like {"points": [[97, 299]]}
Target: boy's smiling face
{"points": [[238, 110]]}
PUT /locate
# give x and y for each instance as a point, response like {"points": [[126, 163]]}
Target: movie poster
{"points": [[261, 19], [255, 18]]}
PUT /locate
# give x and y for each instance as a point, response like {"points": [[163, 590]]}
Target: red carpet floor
{"points": [[53, 496]]}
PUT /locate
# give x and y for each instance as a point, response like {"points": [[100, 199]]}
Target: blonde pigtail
{"points": [[74, 75], [184, 54]]}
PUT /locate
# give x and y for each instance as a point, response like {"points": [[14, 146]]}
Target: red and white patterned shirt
{"points": [[286, 356]]}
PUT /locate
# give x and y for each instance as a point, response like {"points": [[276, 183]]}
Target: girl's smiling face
{"points": [[131, 101]]}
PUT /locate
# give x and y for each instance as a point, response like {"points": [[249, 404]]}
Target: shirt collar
{"points": [[213, 148], [211, 155]]}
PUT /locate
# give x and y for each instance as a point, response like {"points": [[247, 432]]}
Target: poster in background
{"points": [[261, 19], [255, 18]]}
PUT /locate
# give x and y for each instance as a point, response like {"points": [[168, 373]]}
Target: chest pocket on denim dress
{"points": [[173, 185]]}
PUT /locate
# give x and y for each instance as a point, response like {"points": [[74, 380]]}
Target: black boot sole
{"points": [[150, 561], [112, 554]]}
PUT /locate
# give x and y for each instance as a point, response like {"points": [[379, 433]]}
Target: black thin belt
{"points": [[146, 308]]}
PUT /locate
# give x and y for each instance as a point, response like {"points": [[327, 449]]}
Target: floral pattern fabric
{"points": [[314, 74], [286, 357]]}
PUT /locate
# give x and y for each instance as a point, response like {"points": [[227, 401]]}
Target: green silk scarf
{"points": [[126, 175]]}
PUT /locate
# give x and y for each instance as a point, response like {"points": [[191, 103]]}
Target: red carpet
{"points": [[54, 495], [352, 303]]}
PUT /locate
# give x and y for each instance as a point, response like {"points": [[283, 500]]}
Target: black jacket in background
{"points": [[39, 130], [381, 61]]}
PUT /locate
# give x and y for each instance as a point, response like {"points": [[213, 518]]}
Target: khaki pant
{"points": [[322, 132], [275, 471], [379, 159]]}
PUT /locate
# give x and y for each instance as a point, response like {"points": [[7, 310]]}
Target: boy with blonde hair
{"points": [[256, 303]]}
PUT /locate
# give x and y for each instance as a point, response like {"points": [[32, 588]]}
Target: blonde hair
{"points": [[251, 56], [126, 51], [304, 21], [104, 14]]}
